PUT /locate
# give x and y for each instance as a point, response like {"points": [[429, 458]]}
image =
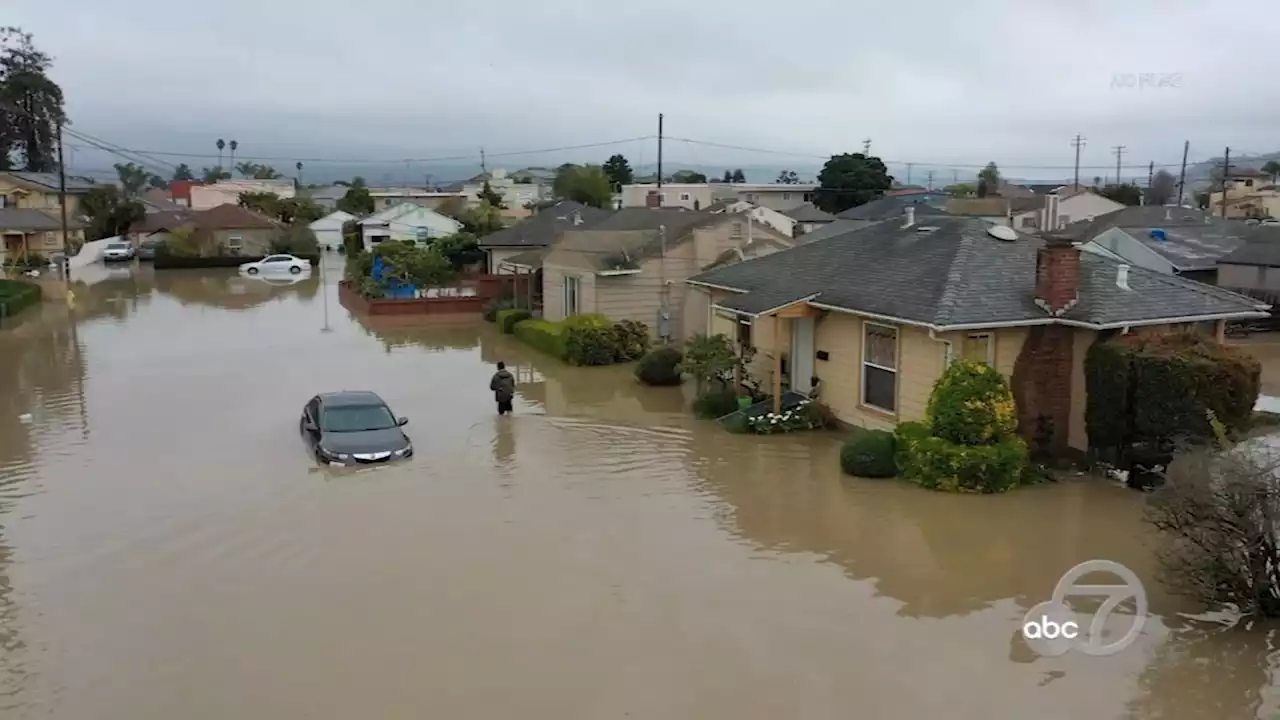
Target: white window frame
{"points": [[235, 242], [864, 364], [572, 295], [786, 196], [949, 353]]}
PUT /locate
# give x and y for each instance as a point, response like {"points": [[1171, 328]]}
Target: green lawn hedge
{"points": [[16, 296], [507, 318], [542, 335], [660, 367], [869, 453], [940, 464]]}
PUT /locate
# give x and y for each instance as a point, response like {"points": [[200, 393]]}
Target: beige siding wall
{"points": [[498, 255], [553, 290], [1249, 276], [639, 297]]}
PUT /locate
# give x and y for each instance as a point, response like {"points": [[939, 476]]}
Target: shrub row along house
{"points": [[878, 313]]}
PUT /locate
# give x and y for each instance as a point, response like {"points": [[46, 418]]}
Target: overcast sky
{"points": [[928, 81]]}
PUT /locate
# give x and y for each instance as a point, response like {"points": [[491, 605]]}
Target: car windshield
{"points": [[358, 418], [117, 246]]}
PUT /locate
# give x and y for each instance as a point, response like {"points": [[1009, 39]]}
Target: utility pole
{"points": [[1119, 151], [660, 156], [1079, 142], [1226, 170], [909, 172], [866, 147], [324, 288], [1182, 176], [62, 207], [930, 180], [664, 312], [955, 177], [483, 168]]}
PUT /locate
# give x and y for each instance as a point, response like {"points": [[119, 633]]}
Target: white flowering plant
{"points": [[805, 416]]}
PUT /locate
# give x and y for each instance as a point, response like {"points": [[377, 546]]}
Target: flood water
{"points": [[168, 550]]}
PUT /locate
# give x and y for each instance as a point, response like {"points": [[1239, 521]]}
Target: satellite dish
{"points": [[1002, 232]]}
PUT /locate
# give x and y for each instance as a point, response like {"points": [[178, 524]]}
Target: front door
{"points": [[801, 354]]}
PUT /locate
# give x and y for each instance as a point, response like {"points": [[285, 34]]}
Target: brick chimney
{"points": [[1057, 274]]}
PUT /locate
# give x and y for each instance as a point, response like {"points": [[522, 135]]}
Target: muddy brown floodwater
{"points": [[167, 549]]}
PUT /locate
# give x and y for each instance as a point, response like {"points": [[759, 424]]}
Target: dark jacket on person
{"points": [[503, 386]]}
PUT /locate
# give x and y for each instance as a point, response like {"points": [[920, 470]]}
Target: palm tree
{"points": [[298, 165], [221, 144], [234, 145], [1272, 168]]}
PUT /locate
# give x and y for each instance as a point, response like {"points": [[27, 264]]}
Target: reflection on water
{"points": [[167, 550]]}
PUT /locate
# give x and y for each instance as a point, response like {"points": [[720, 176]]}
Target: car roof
{"points": [[350, 397]]}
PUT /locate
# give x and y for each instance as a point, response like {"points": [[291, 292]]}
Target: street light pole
{"points": [[324, 289]]}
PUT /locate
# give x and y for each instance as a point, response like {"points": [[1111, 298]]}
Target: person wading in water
{"points": [[503, 386]]}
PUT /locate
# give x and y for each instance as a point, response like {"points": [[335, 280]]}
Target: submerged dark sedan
{"points": [[353, 427]]}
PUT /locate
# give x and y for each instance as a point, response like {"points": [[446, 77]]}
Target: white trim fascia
{"points": [[716, 287], [610, 273]]}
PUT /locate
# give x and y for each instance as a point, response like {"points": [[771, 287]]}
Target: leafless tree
{"points": [[1220, 512]]}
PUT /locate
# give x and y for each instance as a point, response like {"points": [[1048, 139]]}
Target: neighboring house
{"points": [[767, 216], [157, 200], [406, 221], [536, 232], [1171, 240], [328, 229], [326, 198], [1056, 210], [632, 266], [384, 198], [775, 196], [515, 193], [996, 210], [223, 192], [24, 231], [40, 192], [234, 229], [690, 196], [878, 313], [887, 208], [180, 191], [1249, 194], [1253, 268], [808, 218]]}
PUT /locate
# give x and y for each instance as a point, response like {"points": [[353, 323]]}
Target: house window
{"points": [[572, 295], [684, 197], [235, 243], [1248, 183], [808, 197], [751, 197], [880, 367], [1029, 222], [978, 347], [744, 334], [735, 231], [786, 196], [4, 201]]}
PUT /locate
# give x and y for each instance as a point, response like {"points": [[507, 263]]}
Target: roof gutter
{"points": [[716, 287], [1257, 313], [742, 313]]}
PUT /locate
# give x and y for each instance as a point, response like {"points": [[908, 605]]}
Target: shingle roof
{"points": [[231, 217], [809, 213], [540, 229], [528, 258], [29, 219], [957, 275], [49, 181], [634, 233], [1261, 247], [1193, 239], [831, 229], [888, 207]]}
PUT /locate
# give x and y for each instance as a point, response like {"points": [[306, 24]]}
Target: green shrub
{"points": [[502, 302], [904, 437], [588, 320], [806, 417], [508, 318], [542, 335], [971, 404], [631, 340], [715, 403], [16, 295], [939, 464], [590, 344], [660, 366], [869, 453]]}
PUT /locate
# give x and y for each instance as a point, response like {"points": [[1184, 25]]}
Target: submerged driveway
{"points": [[167, 548]]}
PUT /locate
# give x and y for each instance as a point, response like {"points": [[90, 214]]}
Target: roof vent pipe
{"points": [[1122, 276]]}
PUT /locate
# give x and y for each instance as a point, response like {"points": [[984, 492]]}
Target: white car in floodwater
{"points": [[277, 264]]}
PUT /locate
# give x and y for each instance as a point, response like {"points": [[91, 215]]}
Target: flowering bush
{"points": [[807, 416], [971, 404], [940, 464]]}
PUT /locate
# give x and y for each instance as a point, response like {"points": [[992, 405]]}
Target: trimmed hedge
{"points": [[508, 318], [585, 321], [1160, 389], [971, 404], [542, 335], [660, 367], [590, 344], [16, 296], [939, 464], [869, 453], [491, 308], [715, 404]]}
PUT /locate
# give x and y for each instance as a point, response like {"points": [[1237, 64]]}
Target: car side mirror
{"points": [[402, 421]]}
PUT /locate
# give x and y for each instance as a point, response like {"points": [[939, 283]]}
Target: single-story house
{"points": [[1171, 240], [232, 229], [877, 314], [406, 221], [328, 229], [27, 230], [1253, 268], [536, 232], [1055, 210], [888, 208], [779, 221], [808, 218], [632, 265], [206, 196], [327, 197]]}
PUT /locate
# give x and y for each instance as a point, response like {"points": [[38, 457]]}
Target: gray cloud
{"points": [[929, 82]]}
